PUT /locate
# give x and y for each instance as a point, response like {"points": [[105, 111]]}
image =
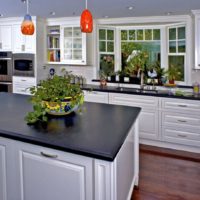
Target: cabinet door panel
{"points": [[148, 124], [2, 173], [6, 38], [46, 178]]}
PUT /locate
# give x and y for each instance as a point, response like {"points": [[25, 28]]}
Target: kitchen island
{"points": [[91, 155]]}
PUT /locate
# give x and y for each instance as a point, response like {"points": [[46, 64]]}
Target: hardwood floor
{"points": [[168, 175]]}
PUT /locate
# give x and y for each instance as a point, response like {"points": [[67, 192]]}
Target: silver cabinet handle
{"points": [[48, 155], [180, 120], [182, 105], [181, 135]]}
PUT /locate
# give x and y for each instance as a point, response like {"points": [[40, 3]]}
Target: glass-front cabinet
{"points": [[73, 45], [66, 45]]}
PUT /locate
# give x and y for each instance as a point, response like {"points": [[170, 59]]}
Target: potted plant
{"points": [[173, 73], [138, 62], [103, 78], [55, 96]]}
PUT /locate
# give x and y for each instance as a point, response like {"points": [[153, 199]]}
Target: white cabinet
{"points": [[148, 120], [23, 43], [21, 85], [3, 192], [181, 121], [50, 174], [94, 96], [73, 45], [197, 37], [5, 38]]}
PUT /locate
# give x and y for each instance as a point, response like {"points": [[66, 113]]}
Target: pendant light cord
{"points": [[86, 4], [27, 8]]}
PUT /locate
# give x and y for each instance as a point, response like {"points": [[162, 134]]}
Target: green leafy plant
{"points": [[52, 93], [173, 73]]}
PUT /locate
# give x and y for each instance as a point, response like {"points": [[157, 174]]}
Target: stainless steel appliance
{"points": [[23, 64], [6, 71], [5, 66]]}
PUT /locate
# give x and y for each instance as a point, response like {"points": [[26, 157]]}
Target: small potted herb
{"points": [[56, 95]]}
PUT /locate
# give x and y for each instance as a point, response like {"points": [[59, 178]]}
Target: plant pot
{"points": [[113, 78], [171, 81], [60, 109], [117, 78]]}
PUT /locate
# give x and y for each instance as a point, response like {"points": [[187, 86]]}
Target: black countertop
{"points": [[98, 132], [136, 91]]}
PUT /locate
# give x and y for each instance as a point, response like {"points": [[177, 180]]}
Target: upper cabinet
{"points": [[66, 44], [23, 43], [5, 38], [73, 49], [197, 37]]}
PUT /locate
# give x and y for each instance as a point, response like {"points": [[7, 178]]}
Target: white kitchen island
{"points": [[68, 158]]}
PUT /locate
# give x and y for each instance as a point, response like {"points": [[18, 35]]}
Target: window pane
{"points": [[124, 35], [181, 33], [106, 63], [110, 46], [172, 47], [102, 46], [156, 34], [177, 62], [152, 48], [110, 35], [139, 34], [172, 34], [102, 34], [181, 46], [132, 35], [148, 34]]}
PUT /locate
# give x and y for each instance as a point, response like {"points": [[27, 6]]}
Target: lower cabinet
{"points": [[50, 174], [3, 192], [148, 120], [21, 85], [94, 96]]}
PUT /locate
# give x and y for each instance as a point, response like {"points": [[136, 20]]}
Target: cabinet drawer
{"points": [[133, 100], [98, 97], [180, 105], [181, 120], [181, 136]]}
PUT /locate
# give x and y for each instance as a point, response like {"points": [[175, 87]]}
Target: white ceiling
{"points": [[99, 8]]}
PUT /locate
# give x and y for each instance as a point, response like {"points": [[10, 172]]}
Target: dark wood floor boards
{"points": [[167, 178]]}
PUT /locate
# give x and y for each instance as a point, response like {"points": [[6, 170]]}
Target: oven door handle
{"points": [[5, 58], [5, 83]]}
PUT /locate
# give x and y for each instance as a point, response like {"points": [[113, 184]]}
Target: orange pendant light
{"points": [[86, 21], [27, 26]]}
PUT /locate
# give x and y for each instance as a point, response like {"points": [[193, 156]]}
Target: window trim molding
{"points": [[158, 20]]}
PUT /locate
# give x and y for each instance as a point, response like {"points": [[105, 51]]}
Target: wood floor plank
{"points": [[168, 177]]}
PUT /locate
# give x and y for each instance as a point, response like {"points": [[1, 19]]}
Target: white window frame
{"points": [[163, 21]]}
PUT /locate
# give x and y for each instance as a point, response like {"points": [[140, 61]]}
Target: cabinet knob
{"points": [[48, 155], [0, 45]]}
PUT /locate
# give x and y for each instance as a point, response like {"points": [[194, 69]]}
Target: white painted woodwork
{"points": [[3, 193], [5, 38], [180, 121], [181, 105], [148, 124], [197, 38], [21, 85], [116, 180], [94, 96], [35, 172], [23, 43]]}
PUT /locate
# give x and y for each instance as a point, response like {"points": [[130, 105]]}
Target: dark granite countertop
{"points": [[135, 91], [98, 132]]}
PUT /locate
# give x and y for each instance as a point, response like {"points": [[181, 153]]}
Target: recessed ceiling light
{"points": [[130, 7], [168, 13], [1, 15], [23, 1], [106, 16], [52, 13]]}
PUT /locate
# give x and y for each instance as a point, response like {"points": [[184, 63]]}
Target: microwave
{"points": [[23, 64]]}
